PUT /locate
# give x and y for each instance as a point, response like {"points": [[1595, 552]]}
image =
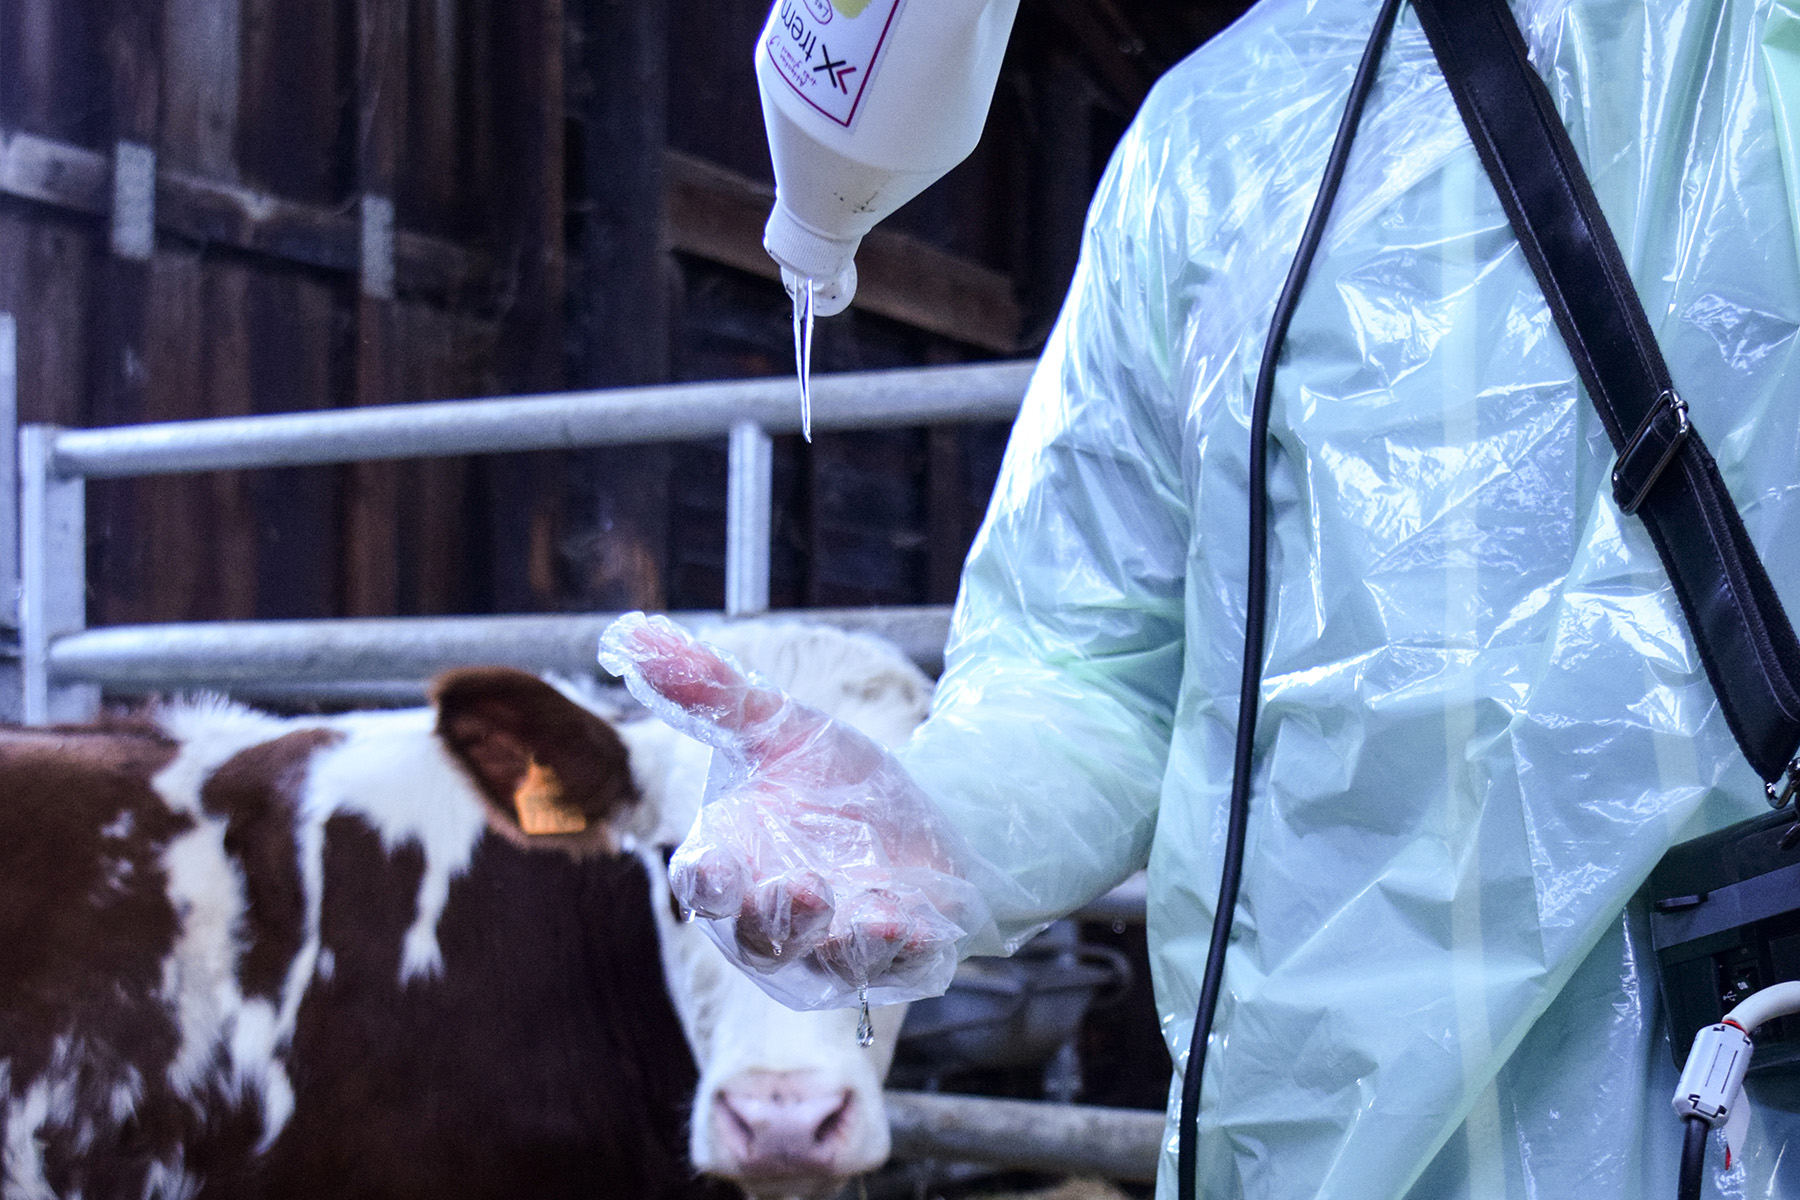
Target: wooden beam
{"points": [[211, 212], [718, 215], [55, 173]]}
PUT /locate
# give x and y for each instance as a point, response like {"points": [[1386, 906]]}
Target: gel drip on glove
{"points": [[816, 863]]}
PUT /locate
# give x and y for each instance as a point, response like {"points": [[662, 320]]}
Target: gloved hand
{"points": [[817, 862]]}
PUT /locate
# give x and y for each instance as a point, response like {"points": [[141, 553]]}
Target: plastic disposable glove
{"points": [[817, 863]]}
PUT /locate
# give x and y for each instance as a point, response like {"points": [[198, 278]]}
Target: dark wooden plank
{"points": [[613, 545], [429, 188], [229, 496], [294, 127], [214, 514], [47, 281], [444, 353], [528, 202], [300, 347], [717, 215], [1110, 46], [524, 86], [53, 80], [1064, 174], [171, 556], [133, 46], [868, 520], [714, 110], [947, 540], [618, 84], [371, 576], [128, 522], [202, 42], [147, 538]]}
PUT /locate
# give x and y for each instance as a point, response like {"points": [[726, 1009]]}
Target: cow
{"points": [[785, 1104], [382, 954]]}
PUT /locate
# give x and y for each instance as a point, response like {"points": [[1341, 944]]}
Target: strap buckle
{"points": [[1665, 427], [1789, 786]]}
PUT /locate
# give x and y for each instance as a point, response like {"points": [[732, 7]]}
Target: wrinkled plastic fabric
{"points": [[815, 863], [1483, 721]]}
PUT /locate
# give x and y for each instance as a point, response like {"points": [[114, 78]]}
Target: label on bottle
{"points": [[826, 50]]}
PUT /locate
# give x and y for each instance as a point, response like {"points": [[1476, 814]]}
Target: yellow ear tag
{"points": [[541, 805]]}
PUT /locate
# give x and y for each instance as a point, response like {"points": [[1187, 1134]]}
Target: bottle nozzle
{"points": [[804, 253], [829, 296]]}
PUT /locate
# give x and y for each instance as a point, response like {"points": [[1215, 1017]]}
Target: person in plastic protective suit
{"points": [[1483, 720]]}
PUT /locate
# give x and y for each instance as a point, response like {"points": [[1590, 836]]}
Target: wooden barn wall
{"points": [[660, 92], [577, 191], [451, 109]]}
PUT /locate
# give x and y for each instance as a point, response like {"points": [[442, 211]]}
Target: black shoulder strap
{"points": [[1664, 472]]}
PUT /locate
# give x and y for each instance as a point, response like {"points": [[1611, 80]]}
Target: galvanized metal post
{"points": [[12, 682], [9, 471], [53, 578], [749, 509]]}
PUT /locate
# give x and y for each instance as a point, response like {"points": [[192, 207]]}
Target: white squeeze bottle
{"points": [[866, 102]]}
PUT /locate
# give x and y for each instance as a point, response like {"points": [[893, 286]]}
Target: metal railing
{"points": [[63, 663]]}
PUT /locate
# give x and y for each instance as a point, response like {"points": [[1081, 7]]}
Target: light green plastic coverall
{"points": [[1483, 720]]}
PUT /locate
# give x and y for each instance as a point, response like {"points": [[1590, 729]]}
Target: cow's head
{"points": [[553, 774], [788, 1103]]}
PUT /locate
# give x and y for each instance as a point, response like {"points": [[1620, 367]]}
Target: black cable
{"points": [[1693, 1157], [1256, 599]]}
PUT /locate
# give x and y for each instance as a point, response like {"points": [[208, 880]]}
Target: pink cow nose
{"points": [[782, 1124]]}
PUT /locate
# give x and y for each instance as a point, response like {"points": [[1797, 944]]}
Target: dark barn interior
{"points": [[577, 189]]}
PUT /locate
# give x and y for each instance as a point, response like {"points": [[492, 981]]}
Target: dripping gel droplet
{"points": [[865, 1029], [803, 331]]}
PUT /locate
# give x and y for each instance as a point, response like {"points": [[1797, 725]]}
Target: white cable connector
{"points": [[1714, 1074], [1713, 1078]]}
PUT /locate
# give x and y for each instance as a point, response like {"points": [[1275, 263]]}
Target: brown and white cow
{"points": [[259, 956]]}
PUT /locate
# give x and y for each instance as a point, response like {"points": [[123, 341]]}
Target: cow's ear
{"points": [[552, 771]]}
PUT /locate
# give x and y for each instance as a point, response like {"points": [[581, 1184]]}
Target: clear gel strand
{"points": [[865, 1029], [803, 331]]}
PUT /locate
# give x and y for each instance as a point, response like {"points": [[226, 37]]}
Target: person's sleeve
{"points": [[1050, 730]]}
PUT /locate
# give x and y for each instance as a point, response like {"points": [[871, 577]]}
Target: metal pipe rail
{"points": [[61, 664], [1116, 1143], [565, 420], [385, 649]]}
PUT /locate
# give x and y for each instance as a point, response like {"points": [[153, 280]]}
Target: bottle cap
{"points": [[805, 253]]}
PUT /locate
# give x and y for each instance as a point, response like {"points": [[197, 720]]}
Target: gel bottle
{"points": [[866, 103]]}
